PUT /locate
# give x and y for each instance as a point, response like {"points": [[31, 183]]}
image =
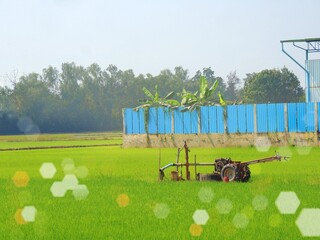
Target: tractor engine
{"points": [[232, 170]]}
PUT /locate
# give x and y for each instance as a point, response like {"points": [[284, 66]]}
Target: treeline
{"points": [[79, 99]]}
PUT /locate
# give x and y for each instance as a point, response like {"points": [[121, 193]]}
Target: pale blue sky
{"points": [[149, 36]]}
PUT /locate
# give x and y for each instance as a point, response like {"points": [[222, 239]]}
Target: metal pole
{"points": [[187, 160], [293, 59], [195, 167], [159, 157], [308, 97], [306, 71], [308, 94], [177, 159]]}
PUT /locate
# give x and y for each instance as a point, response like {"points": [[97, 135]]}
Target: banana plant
{"points": [[202, 97], [221, 99], [154, 100]]}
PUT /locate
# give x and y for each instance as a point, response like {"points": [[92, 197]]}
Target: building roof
{"points": [[302, 40]]}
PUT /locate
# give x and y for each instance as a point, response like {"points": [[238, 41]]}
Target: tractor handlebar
{"points": [[263, 160]]}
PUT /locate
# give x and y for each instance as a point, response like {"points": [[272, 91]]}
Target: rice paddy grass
{"points": [[126, 200]]}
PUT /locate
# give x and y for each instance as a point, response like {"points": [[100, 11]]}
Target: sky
{"points": [[149, 36]]}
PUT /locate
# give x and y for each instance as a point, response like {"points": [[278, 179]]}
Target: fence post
{"points": [[225, 120], [172, 121], [199, 120], [255, 127], [286, 117], [316, 118]]}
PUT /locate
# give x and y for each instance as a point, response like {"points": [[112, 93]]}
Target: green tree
{"points": [[51, 76], [8, 120], [272, 86], [5, 103], [31, 97], [77, 99], [232, 91]]}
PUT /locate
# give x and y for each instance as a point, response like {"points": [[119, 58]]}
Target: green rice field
{"points": [[126, 200]]}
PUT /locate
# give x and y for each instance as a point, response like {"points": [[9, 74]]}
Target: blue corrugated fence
{"points": [[259, 118]]}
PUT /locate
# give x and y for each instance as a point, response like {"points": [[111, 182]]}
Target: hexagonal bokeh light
{"points": [[68, 166], [58, 189], [81, 172], [260, 202], [287, 202], [205, 194], [262, 144], [161, 210], [308, 222], [195, 230], [70, 181], [29, 213], [284, 151], [200, 217], [18, 217], [24, 123], [303, 149], [224, 206], [123, 200], [21, 179], [303, 146], [240, 220], [47, 170], [80, 192]]}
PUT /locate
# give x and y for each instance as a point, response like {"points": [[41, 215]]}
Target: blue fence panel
{"points": [[232, 120], [160, 122], [262, 117], [135, 122], [272, 118], [250, 118], [292, 117], [301, 117], [204, 119], [242, 118], [310, 117], [213, 119], [142, 127], [280, 117], [220, 119], [194, 122], [178, 121], [187, 122], [167, 121], [128, 120], [152, 121]]}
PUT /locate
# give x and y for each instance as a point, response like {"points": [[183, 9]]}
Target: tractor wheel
{"points": [[247, 175], [219, 166], [246, 178], [228, 171]]}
